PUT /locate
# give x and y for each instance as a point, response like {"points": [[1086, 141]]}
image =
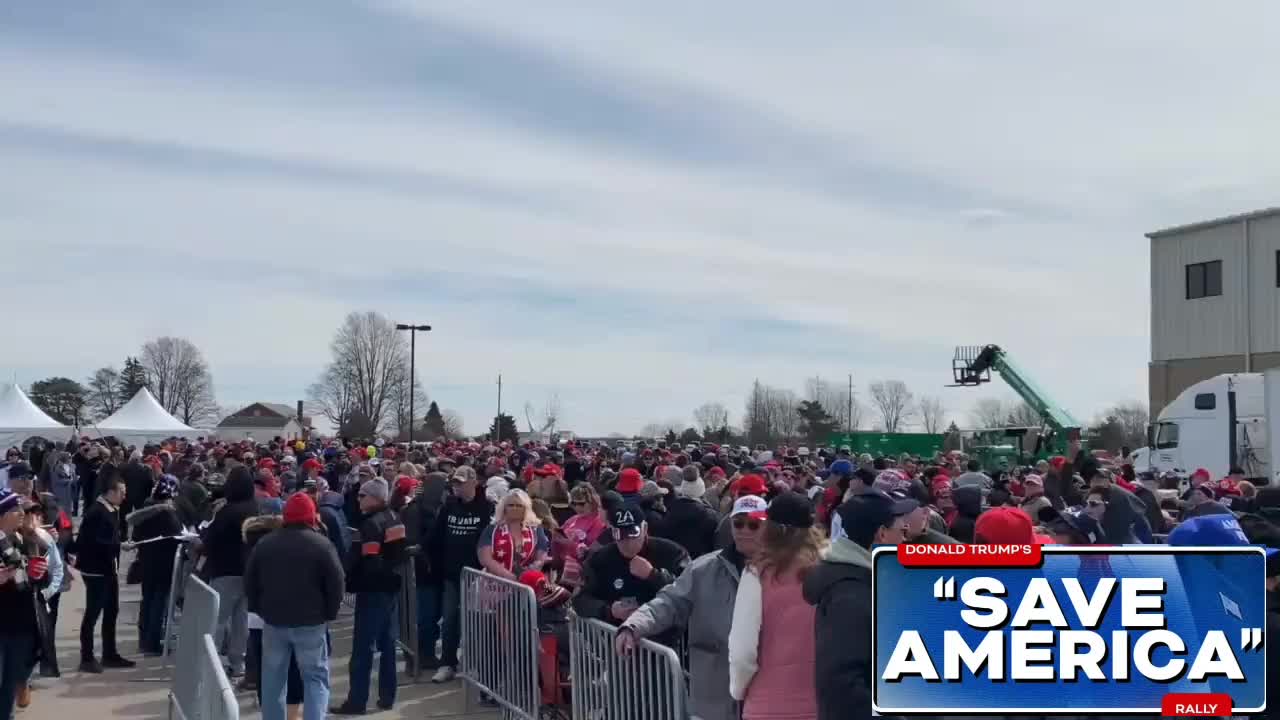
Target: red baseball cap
{"points": [[1004, 525], [405, 485], [750, 485], [312, 464], [630, 481]]}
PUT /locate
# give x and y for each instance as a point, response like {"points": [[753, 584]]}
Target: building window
{"points": [[1204, 280]]}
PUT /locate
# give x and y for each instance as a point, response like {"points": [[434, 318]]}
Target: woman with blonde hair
{"points": [[514, 541], [771, 641]]}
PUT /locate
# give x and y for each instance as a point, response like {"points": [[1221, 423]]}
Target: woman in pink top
{"points": [[771, 645], [580, 532]]}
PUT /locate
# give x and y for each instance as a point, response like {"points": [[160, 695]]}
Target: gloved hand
{"points": [[36, 568]]}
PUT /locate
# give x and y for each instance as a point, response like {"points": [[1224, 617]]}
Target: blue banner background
{"points": [[1193, 605]]}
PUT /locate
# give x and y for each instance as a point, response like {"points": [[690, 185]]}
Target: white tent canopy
{"points": [[21, 419], [142, 420]]}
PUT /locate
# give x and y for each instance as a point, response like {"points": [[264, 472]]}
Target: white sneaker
{"points": [[443, 675]]}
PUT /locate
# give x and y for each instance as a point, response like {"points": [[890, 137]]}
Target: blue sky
{"points": [[641, 207]]}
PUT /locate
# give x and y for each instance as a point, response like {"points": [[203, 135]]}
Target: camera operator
{"points": [[22, 574]]}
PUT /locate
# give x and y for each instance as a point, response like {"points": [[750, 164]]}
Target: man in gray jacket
{"points": [[701, 600]]}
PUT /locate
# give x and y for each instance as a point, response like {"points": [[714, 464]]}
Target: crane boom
{"points": [[973, 365]]}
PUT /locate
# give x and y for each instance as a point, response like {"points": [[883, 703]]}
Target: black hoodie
{"points": [[455, 538], [968, 500], [222, 539]]}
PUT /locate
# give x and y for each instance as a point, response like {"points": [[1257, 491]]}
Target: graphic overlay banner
{"points": [[1036, 629]]}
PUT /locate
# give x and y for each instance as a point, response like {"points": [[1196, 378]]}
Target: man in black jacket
{"points": [[690, 521], [453, 546], [840, 588], [374, 561], [97, 557], [617, 579], [293, 579]]}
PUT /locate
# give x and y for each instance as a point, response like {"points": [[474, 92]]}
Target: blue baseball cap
{"points": [[839, 468], [1209, 531]]}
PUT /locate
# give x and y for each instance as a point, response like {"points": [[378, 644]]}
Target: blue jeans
{"points": [[309, 647], [429, 597], [451, 631], [377, 627], [151, 617], [16, 651]]}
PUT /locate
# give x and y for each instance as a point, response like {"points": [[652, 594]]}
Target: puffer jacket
{"points": [[701, 599], [159, 520], [839, 588]]}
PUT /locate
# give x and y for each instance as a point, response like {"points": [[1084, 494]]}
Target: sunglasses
{"points": [[740, 523]]}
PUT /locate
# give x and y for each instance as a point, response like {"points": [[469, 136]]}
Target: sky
{"points": [[640, 207]]}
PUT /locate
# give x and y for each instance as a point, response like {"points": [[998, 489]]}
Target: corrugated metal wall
{"points": [[1205, 327], [1264, 242]]}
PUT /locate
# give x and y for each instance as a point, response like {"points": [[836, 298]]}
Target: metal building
{"points": [[1215, 301]]}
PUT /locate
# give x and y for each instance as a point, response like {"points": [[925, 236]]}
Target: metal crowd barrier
{"points": [[500, 643], [193, 682], [647, 684], [182, 566], [215, 699], [408, 642]]}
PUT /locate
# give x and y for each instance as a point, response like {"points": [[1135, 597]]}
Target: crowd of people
{"points": [[755, 561]]}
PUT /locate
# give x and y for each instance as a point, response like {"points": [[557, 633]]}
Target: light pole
{"points": [[413, 376]]}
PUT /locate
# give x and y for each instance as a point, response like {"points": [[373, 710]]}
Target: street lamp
{"points": [[413, 376]]}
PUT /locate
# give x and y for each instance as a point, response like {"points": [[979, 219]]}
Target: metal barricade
{"points": [[500, 642], [199, 620], [215, 699], [182, 566], [647, 684], [408, 642]]}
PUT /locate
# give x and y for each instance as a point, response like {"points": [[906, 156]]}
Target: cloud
{"points": [[641, 208]]}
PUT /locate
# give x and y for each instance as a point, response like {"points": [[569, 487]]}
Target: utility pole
{"points": [[497, 419], [413, 374], [849, 424]]}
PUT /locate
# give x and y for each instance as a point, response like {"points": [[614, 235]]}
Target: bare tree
{"points": [[711, 416], [452, 424], [837, 400], [179, 377], [933, 415], [369, 366], [1023, 415], [893, 401], [401, 407], [104, 395], [660, 429], [1133, 417], [334, 394], [988, 413]]}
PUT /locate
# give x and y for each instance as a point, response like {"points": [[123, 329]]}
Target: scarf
{"points": [[504, 550]]}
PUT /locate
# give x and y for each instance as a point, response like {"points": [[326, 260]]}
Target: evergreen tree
{"points": [[503, 428], [690, 436], [816, 424], [63, 399], [435, 422], [132, 378]]}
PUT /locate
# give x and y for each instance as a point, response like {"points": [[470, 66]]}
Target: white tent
{"points": [[142, 420], [21, 419]]}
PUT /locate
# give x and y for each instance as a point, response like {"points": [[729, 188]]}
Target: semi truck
{"points": [[1227, 421]]}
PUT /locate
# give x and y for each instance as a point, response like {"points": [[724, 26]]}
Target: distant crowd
{"points": [[755, 562]]}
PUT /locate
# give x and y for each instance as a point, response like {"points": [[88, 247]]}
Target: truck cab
{"points": [[1197, 429]]}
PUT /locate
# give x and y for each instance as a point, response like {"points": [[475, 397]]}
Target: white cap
{"points": [[752, 505], [803, 452]]}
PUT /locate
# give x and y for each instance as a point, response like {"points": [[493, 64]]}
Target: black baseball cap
{"points": [[790, 509], [20, 470], [627, 520], [862, 515]]}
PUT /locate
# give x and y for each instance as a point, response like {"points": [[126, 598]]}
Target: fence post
{"points": [[409, 613]]}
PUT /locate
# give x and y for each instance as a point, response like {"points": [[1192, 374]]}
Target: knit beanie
{"points": [[300, 510]]}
